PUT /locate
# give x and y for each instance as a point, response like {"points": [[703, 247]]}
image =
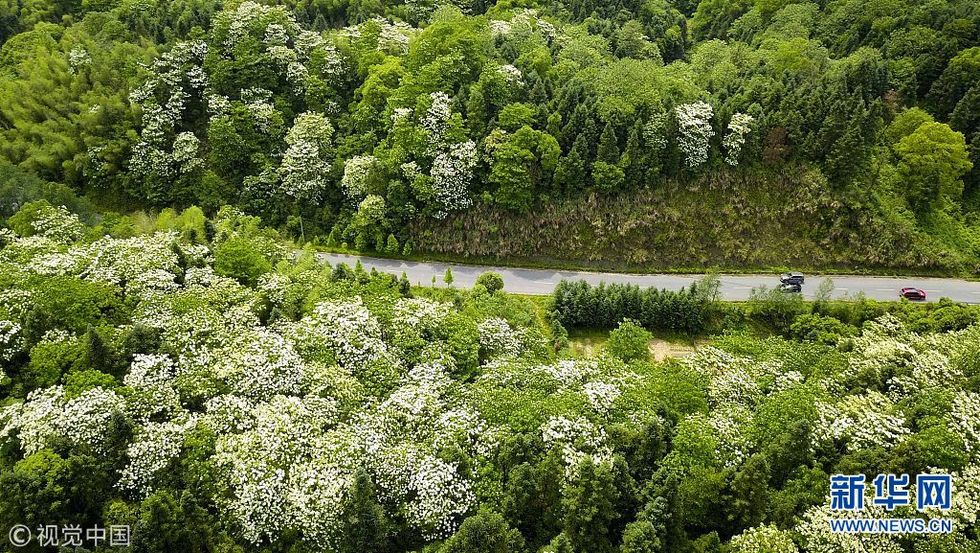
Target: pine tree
{"points": [[632, 161], [571, 174], [366, 526], [391, 245], [608, 145], [404, 286], [485, 532], [97, 355]]}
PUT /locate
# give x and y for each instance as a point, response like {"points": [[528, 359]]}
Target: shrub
{"points": [[775, 308], [819, 328], [491, 281], [629, 341], [239, 259]]}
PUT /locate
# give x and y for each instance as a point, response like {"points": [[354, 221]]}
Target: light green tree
{"points": [[931, 162]]}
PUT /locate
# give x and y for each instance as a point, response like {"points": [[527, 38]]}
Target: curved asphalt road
{"points": [[733, 287]]}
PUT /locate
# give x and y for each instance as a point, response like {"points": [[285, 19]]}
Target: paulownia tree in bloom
{"points": [[305, 165], [695, 132], [738, 128]]}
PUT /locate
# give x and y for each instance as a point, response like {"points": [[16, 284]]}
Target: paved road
{"points": [[733, 287]]}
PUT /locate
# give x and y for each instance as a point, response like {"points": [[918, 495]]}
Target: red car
{"points": [[917, 294]]}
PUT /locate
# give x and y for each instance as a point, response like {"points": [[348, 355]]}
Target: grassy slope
{"points": [[738, 220]]}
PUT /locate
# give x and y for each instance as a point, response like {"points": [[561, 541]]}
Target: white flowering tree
{"points": [[306, 163], [738, 128], [360, 173], [174, 82], [694, 132]]}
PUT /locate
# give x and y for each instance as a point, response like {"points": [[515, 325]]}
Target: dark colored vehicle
{"points": [[916, 294], [790, 288], [792, 278]]}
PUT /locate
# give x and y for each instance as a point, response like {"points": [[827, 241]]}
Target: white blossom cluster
{"points": [[259, 364], [345, 332], [273, 23], [966, 495], [930, 368], [732, 445], [48, 414], [452, 163], [733, 387], [174, 78], [10, 340], [765, 538], [817, 537], [601, 394], [289, 462], [357, 171], [694, 126], [441, 497], [306, 162], [452, 171], [435, 122], [58, 224], [264, 115], [393, 37], [228, 413], [78, 58], [585, 377], [499, 27], [148, 370], [420, 314], [523, 23], [964, 420], [512, 74], [571, 372], [185, 152], [579, 439], [860, 421], [153, 449], [738, 128], [31, 254], [142, 265], [498, 339], [263, 465], [908, 362], [732, 380], [878, 356], [201, 319], [422, 412]]}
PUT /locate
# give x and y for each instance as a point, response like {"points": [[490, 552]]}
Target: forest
{"points": [[177, 359], [197, 383], [772, 129]]}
